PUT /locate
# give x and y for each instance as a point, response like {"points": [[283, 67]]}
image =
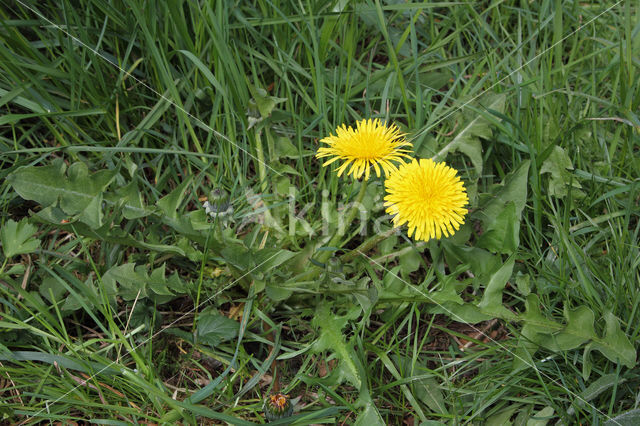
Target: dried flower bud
{"points": [[277, 406]]}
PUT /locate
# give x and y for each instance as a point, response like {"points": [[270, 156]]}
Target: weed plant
{"points": [[174, 252]]}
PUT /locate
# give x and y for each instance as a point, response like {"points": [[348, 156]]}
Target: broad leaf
{"points": [[110, 234], [51, 289], [512, 188], [130, 200], [369, 416], [503, 232], [170, 203], [428, 392], [214, 328], [491, 302], [596, 388], [542, 417], [502, 417], [277, 293], [268, 259], [630, 418], [579, 329], [262, 102], [74, 188], [467, 140], [558, 165], [135, 282], [615, 345], [285, 148], [17, 238], [331, 338], [409, 262], [500, 212], [482, 263]]}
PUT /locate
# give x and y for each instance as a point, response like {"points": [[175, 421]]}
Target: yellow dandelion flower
{"points": [[428, 196], [372, 143]]}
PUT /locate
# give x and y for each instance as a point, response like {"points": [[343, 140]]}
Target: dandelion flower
{"points": [[277, 406], [372, 143], [428, 196]]}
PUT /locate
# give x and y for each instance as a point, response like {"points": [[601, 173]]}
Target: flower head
{"points": [[277, 406], [372, 143], [428, 196]]}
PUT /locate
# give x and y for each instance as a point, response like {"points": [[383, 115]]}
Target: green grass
{"points": [[131, 306]]}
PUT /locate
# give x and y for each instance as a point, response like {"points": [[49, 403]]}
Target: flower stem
{"points": [[262, 173], [367, 245], [336, 240], [6, 260]]}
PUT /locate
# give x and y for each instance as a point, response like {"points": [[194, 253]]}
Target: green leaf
{"points": [[285, 148], [85, 296], [262, 101], [522, 283], [170, 203], [539, 331], [92, 215], [135, 282], [503, 417], [435, 79], [467, 140], [596, 388], [71, 363], [15, 118], [492, 298], [205, 70], [366, 300], [131, 282], [110, 234], [214, 328], [615, 345], [16, 269], [270, 258], [17, 238], [369, 416], [500, 212], [466, 312], [428, 392], [630, 418], [158, 283], [409, 262], [533, 317], [277, 293], [74, 188], [512, 188], [393, 287], [387, 245], [129, 199], [238, 256], [483, 263], [51, 289], [579, 330], [503, 233], [587, 364], [331, 338], [542, 417], [558, 165]]}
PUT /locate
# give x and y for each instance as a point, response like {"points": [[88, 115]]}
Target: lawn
{"points": [[331, 212]]}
